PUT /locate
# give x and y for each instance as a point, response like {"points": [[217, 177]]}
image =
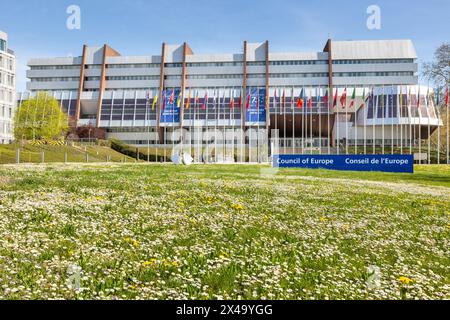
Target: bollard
{"points": [[87, 157], [65, 157], [17, 155]]}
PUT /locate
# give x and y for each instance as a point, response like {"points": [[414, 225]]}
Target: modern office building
{"points": [[7, 89], [350, 93]]}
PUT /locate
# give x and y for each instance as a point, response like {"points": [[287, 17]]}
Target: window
{"points": [[373, 61], [131, 78], [136, 65], [2, 45], [214, 64], [173, 65], [55, 67], [297, 62]]}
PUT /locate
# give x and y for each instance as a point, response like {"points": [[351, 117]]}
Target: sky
{"points": [[37, 28]]}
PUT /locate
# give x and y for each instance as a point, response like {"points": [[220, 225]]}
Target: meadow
{"points": [[159, 231]]}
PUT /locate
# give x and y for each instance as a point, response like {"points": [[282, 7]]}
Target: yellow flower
{"points": [[323, 219], [135, 243], [237, 206], [151, 262], [405, 280]]}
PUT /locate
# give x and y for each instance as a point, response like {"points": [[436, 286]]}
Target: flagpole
{"points": [[329, 99], [410, 109], [311, 119], [337, 125], [365, 115], [448, 123], [293, 122], [356, 125], [400, 104], [391, 106], [438, 126], [375, 106], [318, 98], [304, 122], [276, 117], [420, 125], [429, 131]]}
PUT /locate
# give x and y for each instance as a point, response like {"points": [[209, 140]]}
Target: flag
{"points": [[364, 99], [240, 101], [325, 98], [446, 97], [401, 99], [232, 100], [164, 99], [418, 98], [205, 99], [172, 97], [179, 100], [155, 100], [309, 101], [353, 98], [335, 98], [196, 100], [283, 99], [343, 99], [300, 99], [188, 101], [247, 105], [147, 99]]}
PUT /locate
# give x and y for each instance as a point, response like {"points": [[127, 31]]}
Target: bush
{"points": [[133, 152]]}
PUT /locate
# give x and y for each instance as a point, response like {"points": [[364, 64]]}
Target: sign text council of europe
{"points": [[376, 162]]}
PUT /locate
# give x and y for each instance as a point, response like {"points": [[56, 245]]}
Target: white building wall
{"points": [[7, 92]]}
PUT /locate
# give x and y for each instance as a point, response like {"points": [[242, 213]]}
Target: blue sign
{"points": [[256, 113], [170, 113], [373, 162]]}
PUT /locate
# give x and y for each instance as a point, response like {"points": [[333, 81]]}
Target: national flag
{"points": [[335, 98], [188, 101], [325, 97], [309, 102], [179, 100], [172, 97], [247, 105], [300, 100], [446, 97], [353, 98], [343, 99], [205, 101], [147, 99], [155, 100], [164, 99], [232, 100], [240, 101], [364, 99]]}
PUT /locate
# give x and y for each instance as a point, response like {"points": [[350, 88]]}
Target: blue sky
{"points": [[37, 28]]}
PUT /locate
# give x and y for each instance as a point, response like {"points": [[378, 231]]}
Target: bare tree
{"points": [[438, 70]]}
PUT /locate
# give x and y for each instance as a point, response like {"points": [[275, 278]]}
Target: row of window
{"points": [[133, 65], [6, 112], [6, 95], [374, 74], [55, 79], [6, 63], [56, 67], [7, 79], [131, 78], [373, 61]]}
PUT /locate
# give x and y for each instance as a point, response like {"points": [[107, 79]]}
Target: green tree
{"points": [[40, 117]]}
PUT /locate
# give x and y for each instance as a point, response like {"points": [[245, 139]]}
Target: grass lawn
{"points": [[32, 154], [141, 231]]}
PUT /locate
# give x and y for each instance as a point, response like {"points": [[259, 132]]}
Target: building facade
{"points": [[234, 106], [7, 89]]}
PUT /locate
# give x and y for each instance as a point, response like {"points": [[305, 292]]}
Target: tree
{"points": [[40, 117], [438, 72]]}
